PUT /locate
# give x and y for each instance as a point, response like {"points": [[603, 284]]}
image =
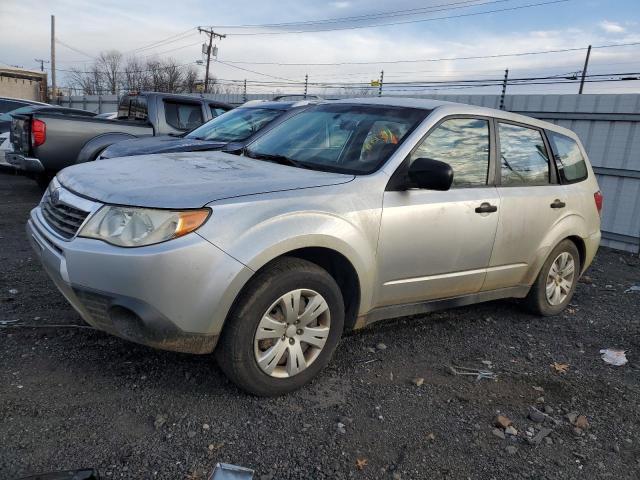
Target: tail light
{"points": [[38, 132], [598, 198]]}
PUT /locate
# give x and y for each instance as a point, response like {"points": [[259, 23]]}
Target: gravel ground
{"points": [[72, 397]]}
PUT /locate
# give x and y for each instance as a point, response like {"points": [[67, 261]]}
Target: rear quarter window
{"points": [[571, 165]]}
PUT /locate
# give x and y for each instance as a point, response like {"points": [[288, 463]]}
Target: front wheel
{"points": [[556, 282], [284, 328]]}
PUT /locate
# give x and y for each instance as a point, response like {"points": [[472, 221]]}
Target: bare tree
{"points": [[109, 64], [134, 75], [87, 81], [172, 76], [190, 79]]}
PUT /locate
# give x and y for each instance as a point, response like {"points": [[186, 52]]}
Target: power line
{"points": [[386, 14], [173, 38], [74, 49], [444, 59], [355, 27]]}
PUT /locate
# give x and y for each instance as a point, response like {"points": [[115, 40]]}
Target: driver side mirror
{"points": [[431, 174]]}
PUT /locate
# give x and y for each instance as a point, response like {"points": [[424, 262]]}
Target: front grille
{"points": [[65, 220]]}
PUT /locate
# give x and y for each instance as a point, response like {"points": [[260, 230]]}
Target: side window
{"points": [[216, 111], [8, 105], [569, 159], [183, 116], [523, 156], [463, 143]]}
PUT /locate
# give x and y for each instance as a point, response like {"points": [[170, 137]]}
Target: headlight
{"points": [[136, 227]]}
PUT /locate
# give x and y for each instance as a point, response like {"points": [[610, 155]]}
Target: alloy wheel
{"points": [[560, 278]]}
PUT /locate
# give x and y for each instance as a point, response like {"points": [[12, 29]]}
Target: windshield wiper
{"points": [[281, 159]]}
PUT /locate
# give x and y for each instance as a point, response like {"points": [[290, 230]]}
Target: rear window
{"points": [[183, 116], [569, 160], [133, 108]]}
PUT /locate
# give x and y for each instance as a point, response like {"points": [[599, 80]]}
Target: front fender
{"points": [[92, 148], [257, 243]]}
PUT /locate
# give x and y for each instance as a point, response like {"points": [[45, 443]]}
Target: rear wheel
{"points": [[556, 282], [284, 328]]}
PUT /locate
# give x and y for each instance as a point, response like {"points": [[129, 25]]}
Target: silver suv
{"points": [[347, 213]]}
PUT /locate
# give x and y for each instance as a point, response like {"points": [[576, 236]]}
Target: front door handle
{"points": [[557, 203], [486, 207]]}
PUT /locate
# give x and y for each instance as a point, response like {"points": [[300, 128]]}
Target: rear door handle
{"points": [[557, 203], [486, 207]]}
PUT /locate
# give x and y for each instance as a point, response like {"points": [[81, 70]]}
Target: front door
{"points": [[438, 244]]}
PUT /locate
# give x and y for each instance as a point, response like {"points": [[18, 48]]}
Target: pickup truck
{"points": [[45, 143]]}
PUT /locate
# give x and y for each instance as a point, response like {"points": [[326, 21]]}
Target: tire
{"points": [[266, 295], [537, 300]]}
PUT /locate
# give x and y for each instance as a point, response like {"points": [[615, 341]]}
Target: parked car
{"points": [[6, 118], [230, 132], [7, 103], [44, 144], [347, 213]]}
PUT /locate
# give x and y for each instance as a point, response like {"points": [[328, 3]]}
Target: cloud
{"points": [[340, 4], [612, 27]]}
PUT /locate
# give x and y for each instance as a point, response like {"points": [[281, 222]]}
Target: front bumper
{"points": [[23, 163], [174, 295]]}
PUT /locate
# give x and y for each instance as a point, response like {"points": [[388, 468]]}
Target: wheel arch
{"points": [[92, 148]]}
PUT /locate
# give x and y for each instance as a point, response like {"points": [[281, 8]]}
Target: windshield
{"points": [[340, 138], [235, 125]]}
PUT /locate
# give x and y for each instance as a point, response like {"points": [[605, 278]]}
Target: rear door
{"points": [[532, 201], [437, 244]]}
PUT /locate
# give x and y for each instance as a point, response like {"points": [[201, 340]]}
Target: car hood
{"points": [[187, 180], [163, 144]]}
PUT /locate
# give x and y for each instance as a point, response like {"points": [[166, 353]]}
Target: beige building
{"points": [[20, 83]]}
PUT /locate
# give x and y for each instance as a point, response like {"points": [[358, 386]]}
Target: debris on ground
{"points": [[541, 435], [560, 367], [13, 291], [160, 421], [498, 433], [381, 346], [511, 450], [536, 415], [614, 357], [502, 421], [633, 288], [582, 422], [586, 279], [431, 437], [479, 374], [361, 463], [417, 381], [511, 430]]}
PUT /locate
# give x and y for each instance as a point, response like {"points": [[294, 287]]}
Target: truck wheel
{"points": [[556, 282], [283, 329]]}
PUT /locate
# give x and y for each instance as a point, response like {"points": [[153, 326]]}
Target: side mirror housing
{"points": [[431, 174]]}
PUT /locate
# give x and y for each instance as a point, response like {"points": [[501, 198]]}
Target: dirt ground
{"points": [[71, 396]]}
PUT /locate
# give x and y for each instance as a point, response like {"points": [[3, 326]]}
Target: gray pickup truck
{"points": [[45, 143]]}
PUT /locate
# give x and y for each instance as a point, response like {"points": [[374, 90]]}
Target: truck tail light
{"points": [[38, 132], [598, 198]]}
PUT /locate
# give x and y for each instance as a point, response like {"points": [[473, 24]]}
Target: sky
{"points": [[84, 28]]}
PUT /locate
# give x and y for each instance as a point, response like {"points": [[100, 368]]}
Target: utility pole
{"points": [[212, 35], [42, 62], [306, 84], [53, 56], [381, 82], [504, 88], [244, 92], [584, 70]]}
